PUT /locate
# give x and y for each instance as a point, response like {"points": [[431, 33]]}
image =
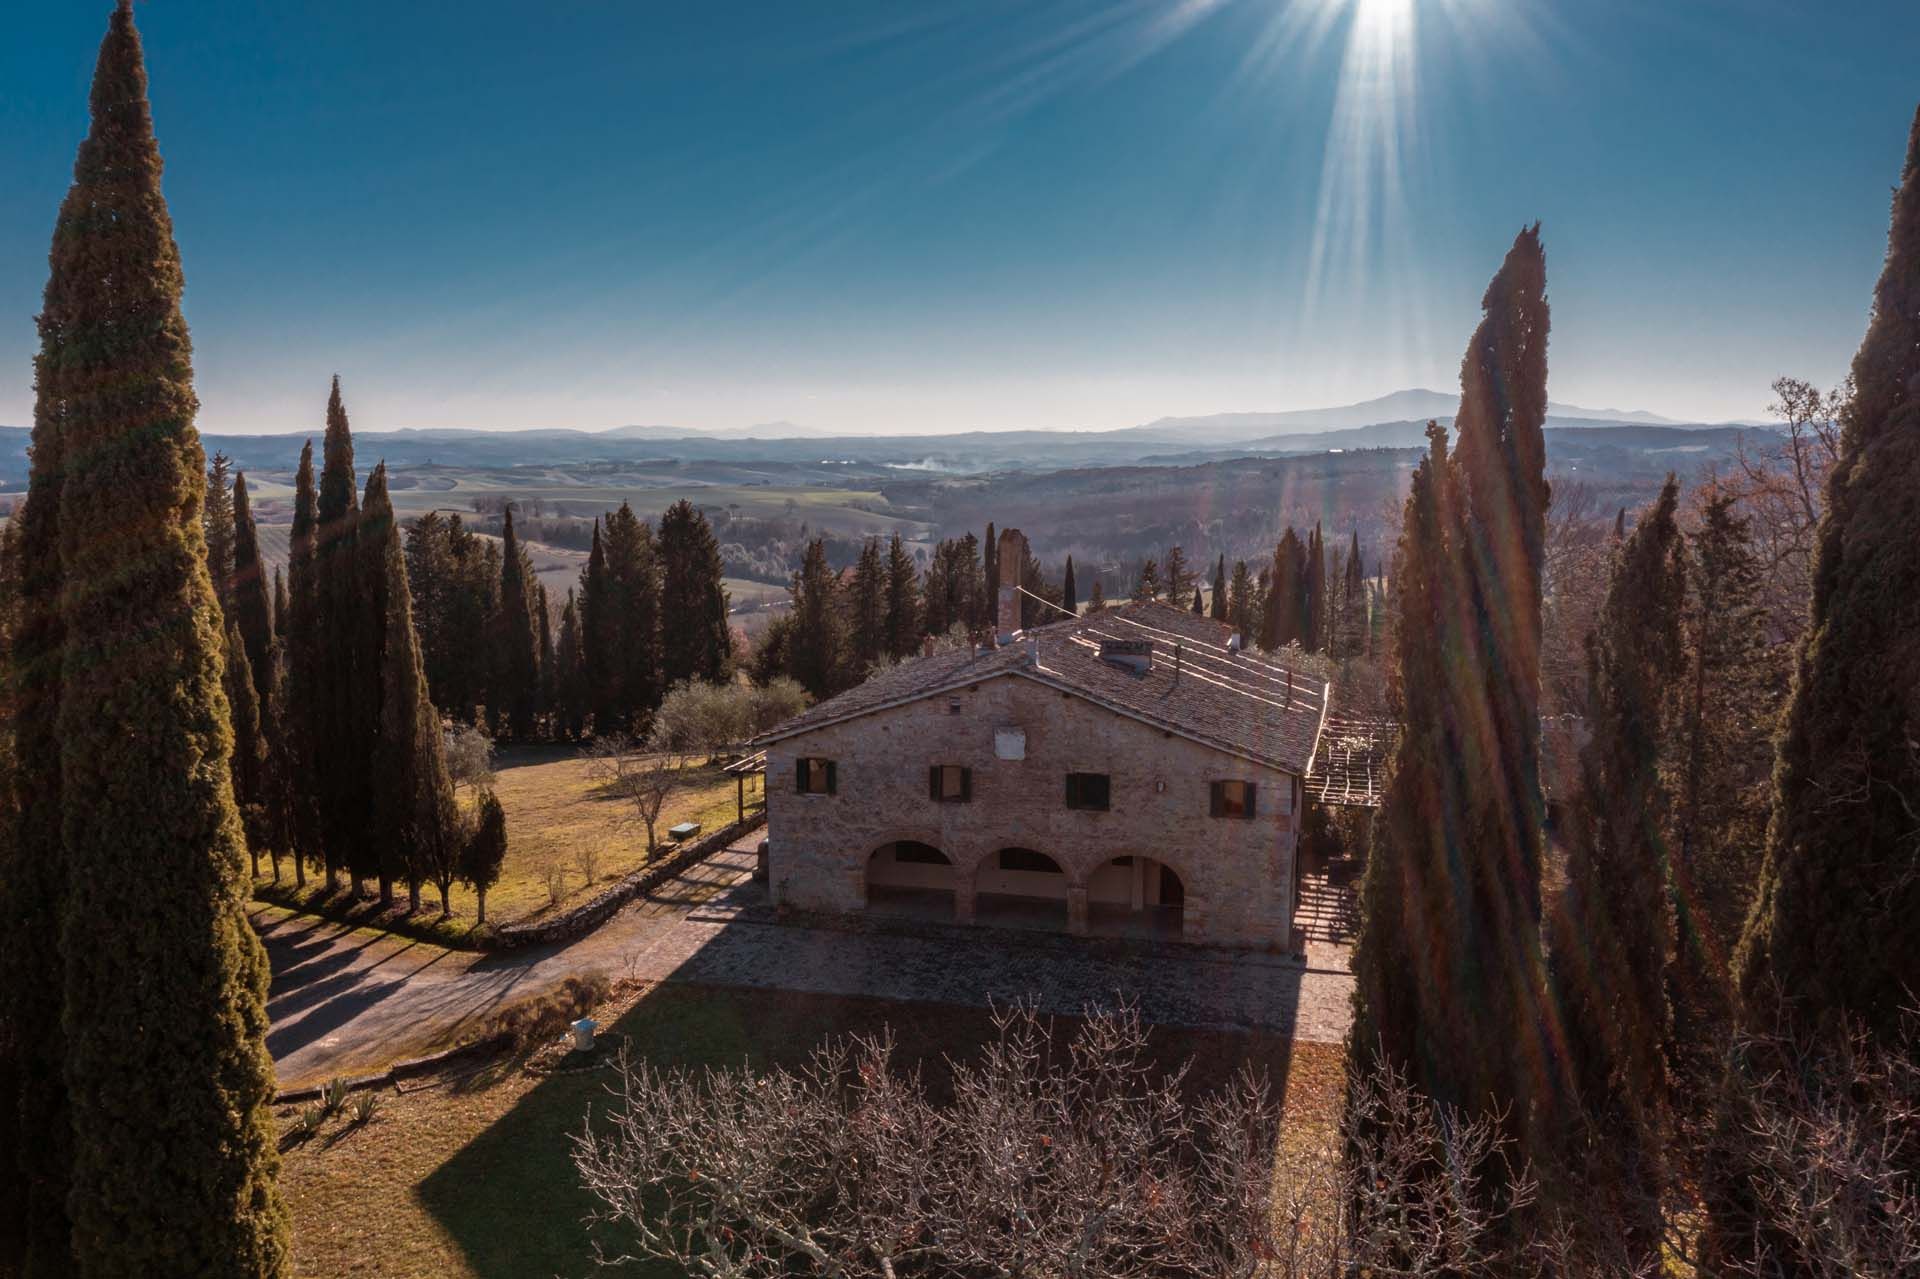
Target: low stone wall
{"points": [[601, 907]]}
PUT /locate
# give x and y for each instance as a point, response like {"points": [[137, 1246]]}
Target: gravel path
{"points": [[346, 1000]]}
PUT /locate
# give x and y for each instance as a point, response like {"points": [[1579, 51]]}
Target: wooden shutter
{"points": [[800, 775], [933, 783], [1251, 808], [1218, 791], [833, 781], [966, 785]]}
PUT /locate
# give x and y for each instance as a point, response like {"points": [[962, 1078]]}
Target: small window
{"points": [[815, 776], [949, 784], [1088, 791], [1233, 799]]}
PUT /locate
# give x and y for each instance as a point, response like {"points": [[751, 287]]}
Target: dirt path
{"points": [[346, 1000]]}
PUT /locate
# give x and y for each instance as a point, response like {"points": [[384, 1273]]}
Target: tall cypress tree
{"points": [[985, 611], [217, 520], [1448, 969], [633, 573], [1286, 612], [300, 720], [1240, 613], [543, 628], [345, 702], [517, 672], [903, 601], [280, 605], [1314, 626], [694, 641], [569, 676], [598, 636], [816, 653], [165, 983], [1843, 847], [249, 604], [414, 818], [248, 762], [1218, 605], [866, 607], [1614, 933], [1070, 595]]}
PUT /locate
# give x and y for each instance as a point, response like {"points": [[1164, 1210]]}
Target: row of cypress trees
{"points": [[137, 1136], [1600, 1036]]}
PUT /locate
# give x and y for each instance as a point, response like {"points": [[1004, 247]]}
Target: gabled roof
{"points": [[1246, 704]]}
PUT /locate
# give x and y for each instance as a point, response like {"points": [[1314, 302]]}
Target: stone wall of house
{"points": [[1237, 873]]}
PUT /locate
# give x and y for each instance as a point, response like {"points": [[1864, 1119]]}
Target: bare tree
{"points": [[1578, 548], [1780, 488], [469, 754], [643, 777], [1074, 1161]]}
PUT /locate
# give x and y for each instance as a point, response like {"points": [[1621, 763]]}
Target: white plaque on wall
{"points": [[1009, 743]]}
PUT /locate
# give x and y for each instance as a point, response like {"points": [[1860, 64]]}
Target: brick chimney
{"points": [[1011, 555]]}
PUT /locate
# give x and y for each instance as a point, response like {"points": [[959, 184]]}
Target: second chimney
{"points": [[1010, 554]]}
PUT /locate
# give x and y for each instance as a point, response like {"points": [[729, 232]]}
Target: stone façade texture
{"points": [[1237, 873]]}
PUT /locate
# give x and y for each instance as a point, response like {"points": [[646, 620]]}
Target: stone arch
{"points": [[1021, 896], [918, 886], [1151, 908]]}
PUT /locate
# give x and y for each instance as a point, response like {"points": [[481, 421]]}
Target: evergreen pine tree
{"points": [[165, 985], [1832, 927], [903, 602], [1240, 613], [1199, 605], [1179, 576], [217, 525], [1147, 587], [517, 674], [1097, 597], [1070, 597], [694, 641], [1614, 933], [866, 608], [1218, 607], [816, 649], [414, 814]]}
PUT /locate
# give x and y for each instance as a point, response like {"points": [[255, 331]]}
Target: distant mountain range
{"points": [[1392, 421]]}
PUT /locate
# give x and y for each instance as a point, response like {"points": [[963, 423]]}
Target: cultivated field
{"points": [[468, 1176]]}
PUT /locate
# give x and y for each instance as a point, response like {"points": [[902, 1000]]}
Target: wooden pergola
{"points": [[1350, 768], [741, 769]]}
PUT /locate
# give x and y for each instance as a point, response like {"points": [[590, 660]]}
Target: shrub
{"points": [[544, 1016]]}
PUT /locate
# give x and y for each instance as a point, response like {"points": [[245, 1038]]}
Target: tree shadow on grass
{"points": [[510, 1199]]}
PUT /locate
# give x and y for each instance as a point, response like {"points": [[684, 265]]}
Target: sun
{"points": [[1382, 19]]}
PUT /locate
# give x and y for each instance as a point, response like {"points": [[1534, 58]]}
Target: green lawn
{"points": [[471, 1179]]}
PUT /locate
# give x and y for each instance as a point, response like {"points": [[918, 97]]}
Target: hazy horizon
{"points": [[1000, 216]]}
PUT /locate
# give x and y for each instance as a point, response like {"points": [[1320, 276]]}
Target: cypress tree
{"points": [[1286, 612], [1199, 605], [516, 648], [543, 627], [598, 637], [816, 648], [1448, 970], [248, 763], [485, 852], [569, 677], [33, 880], [866, 608], [694, 641], [1147, 587], [903, 603], [344, 688], [1832, 926], [1218, 607], [279, 605], [13, 1189], [301, 719], [1097, 597], [1614, 933], [1070, 596], [248, 603], [165, 982], [983, 614], [217, 522], [1314, 626], [633, 574], [414, 815]]}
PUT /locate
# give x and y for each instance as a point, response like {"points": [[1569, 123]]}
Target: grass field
{"points": [[555, 809], [470, 1177]]}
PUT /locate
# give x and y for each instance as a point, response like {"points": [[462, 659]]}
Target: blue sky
{"points": [[975, 213]]}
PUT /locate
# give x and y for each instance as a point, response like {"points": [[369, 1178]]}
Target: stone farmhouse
{"points": [[1129, 772]]}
